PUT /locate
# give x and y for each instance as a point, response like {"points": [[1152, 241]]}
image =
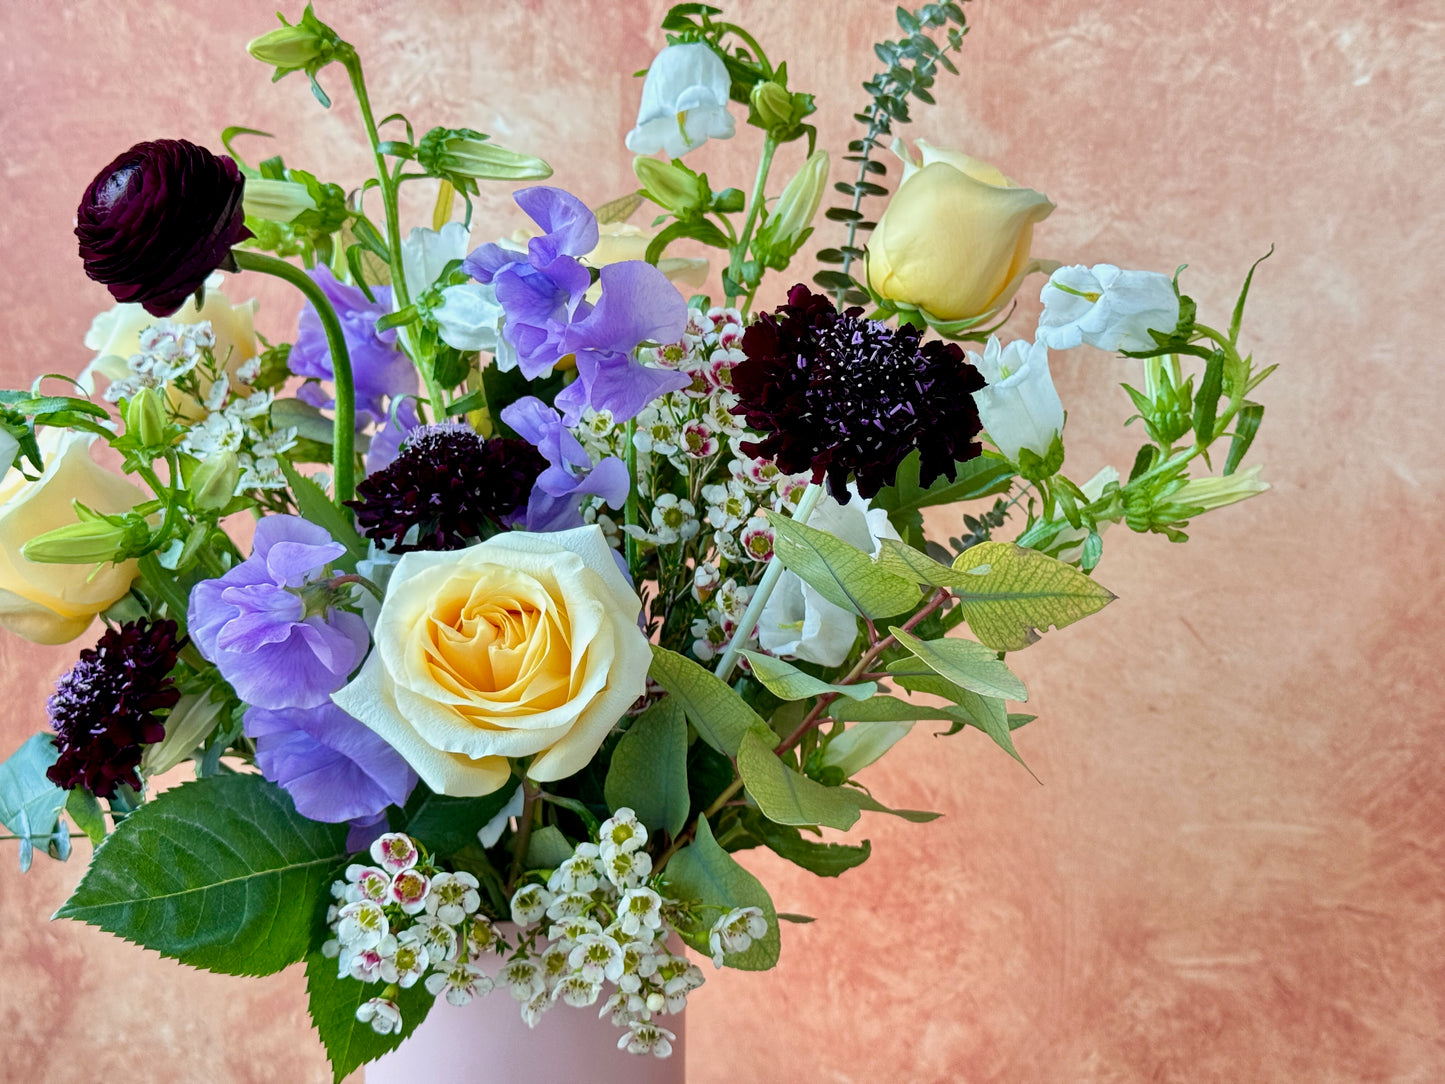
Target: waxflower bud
{"points": [[276, 201], [145, 418], [464, 156], [213, 483], [94, 540], [671, 185]]}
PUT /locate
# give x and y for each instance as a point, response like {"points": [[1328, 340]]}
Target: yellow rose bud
{"points": [[53, 603], [954, 240], [522, 646]]}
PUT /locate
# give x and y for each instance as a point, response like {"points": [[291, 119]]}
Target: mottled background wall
{"points": [[1233, 870]]}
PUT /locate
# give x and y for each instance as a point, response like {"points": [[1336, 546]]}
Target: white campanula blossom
{"points": [[1019, 407], [684, 102], [800, 623], [1106, 308], [469, 317]]}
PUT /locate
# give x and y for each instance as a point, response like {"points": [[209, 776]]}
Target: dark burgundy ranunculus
{"points": [[838, 395], [158, 220]]}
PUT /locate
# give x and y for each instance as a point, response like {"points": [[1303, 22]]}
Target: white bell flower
{"points": [[470, 318], [684, 102], [1019, 408], [425, 254], [800, 623], [1106, 307]]}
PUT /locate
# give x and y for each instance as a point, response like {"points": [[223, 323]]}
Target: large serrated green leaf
{"points": [[221, 873], [787, 682], [720, 715], [333, 1003], [785, 796], [1014, 593], [704, 872], [648, 773], [843, 574], [964, 662]]}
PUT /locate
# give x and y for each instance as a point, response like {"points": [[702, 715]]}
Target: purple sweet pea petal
{"points": [[334, 767], [638, 304], [555, 503], [569, 227], [386, 442], [616, 383], [486, 261], [265, 614]]}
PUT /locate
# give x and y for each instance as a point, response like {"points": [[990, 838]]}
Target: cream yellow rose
{"points": [[115, 335], [525, 645], [619, 241], [46, 603], [955, 237]]}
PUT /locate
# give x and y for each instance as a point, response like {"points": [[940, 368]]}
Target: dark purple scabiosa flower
{"points": [[158, 220], [448, 483], [841, 396], [104, 709]]}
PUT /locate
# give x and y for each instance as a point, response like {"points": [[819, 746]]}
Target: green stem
{"points": [[629, 512], [343, 454], [740, 250]]}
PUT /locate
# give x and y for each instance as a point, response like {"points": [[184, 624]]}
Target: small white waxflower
{"points": [[407, 961], [594, 956], [459, 983], [757, 539], [617, 1010], [699, 440], [645, 1037], [638, 963], [383, 1015], [727, 505], [367, 883], [409, 890], [555, 966], [673, 519], [572, 929], [1106, 307], [621, 832], [394, 852], [657, 432], [735, 932], [639, 910], [524, 978], [361, 925], [535, 1006], [684, 102], [481, 935], [705, 580], [580, 873], [577, 991], [679, 982], [216, 398], [453, 897], [439, 938], [627, 869], [249, 371], [529, 904], [365, 965], [569, 905]]}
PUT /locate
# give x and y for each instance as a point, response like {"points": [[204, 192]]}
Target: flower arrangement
{"points": [[500, 609]]}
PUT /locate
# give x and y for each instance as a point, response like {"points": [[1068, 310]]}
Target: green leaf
{"points": [[704, 872], [883, 709], [824, 859], [974, 478], [1238, 317], [787, 682], [1206, 403], [967, 664], [719, 714], [802, 920], [1246, 425], [220, 873], [26, 791], [548, 848], [446, 824], [649, 768], [903, 560], [843, 574], [84, 809], [1015, 593], [787, 797], [315, 506], [334, 1000], [873, 805], [989, 715], [308, 421]]}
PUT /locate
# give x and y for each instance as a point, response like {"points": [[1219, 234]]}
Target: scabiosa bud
{"points": [[158, 220], [451, 485], [838, 395], [104, 709]]}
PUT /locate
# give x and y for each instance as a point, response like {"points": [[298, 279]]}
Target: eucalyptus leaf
{"points": [[843, 574], [1014, 593], [648, 772], [964, 662], [719, 714], [704, 872], [787, 682], [26, 791]]}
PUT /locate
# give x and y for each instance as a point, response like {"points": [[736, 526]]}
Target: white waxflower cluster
{"points": [[402, 921], [726, 600], [168, 352], [599, 923]]}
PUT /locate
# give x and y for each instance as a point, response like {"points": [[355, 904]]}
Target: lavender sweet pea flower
{"points": [[555, 503], [547, 317], [253, 622], [379, 369], [386, 442], [334, 767]]}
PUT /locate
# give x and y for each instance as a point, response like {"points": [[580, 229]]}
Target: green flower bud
{"points": [[145, 419], [275, 201], [213, 482], [94, 540], [1206, 494], [790, 222], [464, 156], [772, 105], [309, 45], [189, 723], [671, 185]]}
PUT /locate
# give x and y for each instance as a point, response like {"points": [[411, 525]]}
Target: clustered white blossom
{"points": [[598, 925]]}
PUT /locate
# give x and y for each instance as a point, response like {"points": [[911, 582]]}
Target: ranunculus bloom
{"points": [[1106, 308], [525, 645], [158, 220], [955, 237], [46, 603], [684, 102], [277, 648], [1020, 407]]}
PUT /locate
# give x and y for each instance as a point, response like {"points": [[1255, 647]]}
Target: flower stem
{"points": [[740, 250], [530, 792], [343, 431], [629, 510], [774, 571]]}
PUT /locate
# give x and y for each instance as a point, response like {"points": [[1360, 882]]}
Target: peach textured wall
{"points": [[1233, 870]]}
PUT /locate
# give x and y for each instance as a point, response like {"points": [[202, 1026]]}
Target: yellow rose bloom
{"points": [[525, 645], [954, 240], [53, 603]]}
